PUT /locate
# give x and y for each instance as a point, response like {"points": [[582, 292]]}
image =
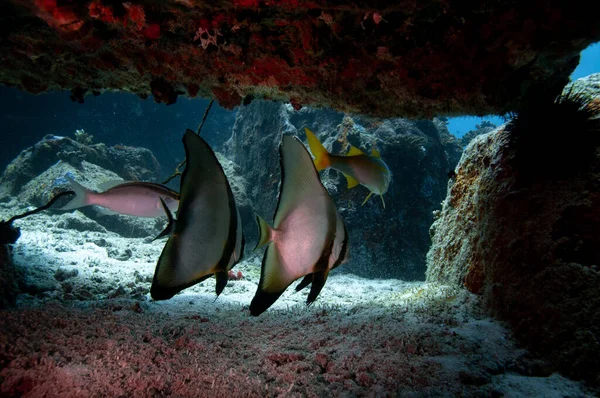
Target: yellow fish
{"points": [[358, 167]]}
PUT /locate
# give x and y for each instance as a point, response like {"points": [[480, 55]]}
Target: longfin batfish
{"points": [[206, 238], [303, 238], [358, 167]]}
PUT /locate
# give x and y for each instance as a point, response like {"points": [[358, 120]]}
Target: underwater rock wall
{"points": [[521, 228], [130, 163], [388, 242]]}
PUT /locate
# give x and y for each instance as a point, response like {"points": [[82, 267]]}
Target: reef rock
{"points": [[390, 242], [520, 226], [129, 163], [409, 59]]}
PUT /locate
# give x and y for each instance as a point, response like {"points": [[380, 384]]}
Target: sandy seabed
{"points": [[85, 327]]}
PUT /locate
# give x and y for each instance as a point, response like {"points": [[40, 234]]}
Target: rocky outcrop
{"points": [[384, 242], [481, 128], [409, 59], [129, 163], [520, 225]]}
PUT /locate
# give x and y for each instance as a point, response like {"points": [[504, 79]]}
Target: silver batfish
{"points": [[206, 238], [308, 237]]}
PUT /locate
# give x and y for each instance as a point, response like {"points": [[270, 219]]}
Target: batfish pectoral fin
{"points": [[273, 282], [318, 281], [170, 226], [222, 277], [305, 282], [367, 198], [352, 182]]}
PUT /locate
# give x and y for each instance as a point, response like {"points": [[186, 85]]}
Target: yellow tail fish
{"points": [[358, 167]]}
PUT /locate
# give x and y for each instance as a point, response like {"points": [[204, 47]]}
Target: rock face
{"points": [[390, 242], [409, 59], [520, 226]]}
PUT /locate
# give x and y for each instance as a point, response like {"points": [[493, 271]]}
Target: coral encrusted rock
{"points": [[521, 223], [389, 58]]}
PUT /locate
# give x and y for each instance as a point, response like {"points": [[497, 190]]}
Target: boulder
{"points": [[520, 226], [129, 163]]}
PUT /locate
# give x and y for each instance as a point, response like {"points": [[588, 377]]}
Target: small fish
{"points": [[206, 238], [141, 199], [308, 237], [358, 167]]}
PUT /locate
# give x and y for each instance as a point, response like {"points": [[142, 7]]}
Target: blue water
{"points": [[589, 63]]}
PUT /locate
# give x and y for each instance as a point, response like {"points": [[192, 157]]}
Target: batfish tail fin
{"points": [[265, 231], [318, 281], [273, 282], [322, 160], [81, 196]]}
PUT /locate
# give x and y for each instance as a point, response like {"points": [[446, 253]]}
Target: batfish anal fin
{"points": [[305, 282], [321, 271], [367, 198], [354, 151], [352, 182], [318, 281], [271, 284], [222, 277], [170, 226]]}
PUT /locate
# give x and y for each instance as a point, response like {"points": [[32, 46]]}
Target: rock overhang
{"points": [[407, 58]]}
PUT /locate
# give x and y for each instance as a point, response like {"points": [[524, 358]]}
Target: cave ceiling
{"points": [[384, 58]]}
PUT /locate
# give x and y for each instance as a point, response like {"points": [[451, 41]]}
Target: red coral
{"points": [[61, 18], [235, 276], [152, 31], [135, 15], [246, 3], [97, 10]]}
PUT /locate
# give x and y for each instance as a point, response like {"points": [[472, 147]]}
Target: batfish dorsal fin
{"points": [[299, 178], [354, 151]]}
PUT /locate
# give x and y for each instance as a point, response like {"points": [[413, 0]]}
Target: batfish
{"points": [[308, 237], [206, 238]]}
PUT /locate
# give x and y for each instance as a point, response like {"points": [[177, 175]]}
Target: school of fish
{"points": [[307, 239]]}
